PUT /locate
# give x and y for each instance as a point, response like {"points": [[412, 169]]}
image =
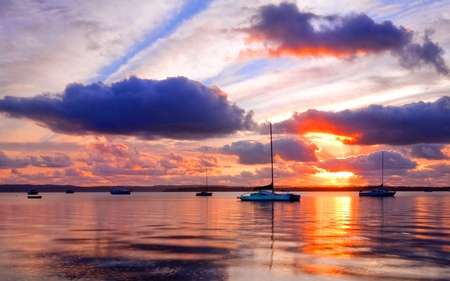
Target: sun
{"points": [[335, 178], [328, 139]]}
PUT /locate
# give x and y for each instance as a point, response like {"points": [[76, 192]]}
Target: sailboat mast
{"points": [[271, 151], [382, 167], [206, 171]]}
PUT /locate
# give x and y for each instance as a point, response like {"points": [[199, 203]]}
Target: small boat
{"points": [[32, 192], [267, 193], [34, 196], [378, 191], [120, 191], [70, 191], [205, 192]]}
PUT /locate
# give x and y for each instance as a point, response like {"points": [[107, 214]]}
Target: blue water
{"points": [[178, 236]]}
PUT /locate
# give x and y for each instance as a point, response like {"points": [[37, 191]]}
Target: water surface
{"points": [[178, 236]]}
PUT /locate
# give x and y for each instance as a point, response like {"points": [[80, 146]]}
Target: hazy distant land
{"points": [[193, 188]]}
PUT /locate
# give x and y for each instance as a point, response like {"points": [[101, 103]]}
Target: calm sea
{"points": [[178, 236]]}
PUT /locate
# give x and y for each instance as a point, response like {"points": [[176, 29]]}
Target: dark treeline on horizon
{"points": [[192, 188]]}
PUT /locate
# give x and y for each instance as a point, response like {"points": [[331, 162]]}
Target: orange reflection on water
{"points": [[331, 234]]}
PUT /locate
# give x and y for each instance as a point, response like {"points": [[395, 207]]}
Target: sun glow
{"points": [[327, 139], [336, 178]]}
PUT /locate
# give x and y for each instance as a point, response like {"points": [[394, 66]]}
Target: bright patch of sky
{"points": [[188, 10], [243, 71]]}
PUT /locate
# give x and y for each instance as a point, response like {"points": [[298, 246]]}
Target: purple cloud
{"points": [[43, 161], [415, 123], [428, 151], [292, 32], [288, 149], [394, 163], [176, 108]]}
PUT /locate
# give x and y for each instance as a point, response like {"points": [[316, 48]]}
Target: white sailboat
{"points": [[379, 191], [205, 192], [267, 193]]}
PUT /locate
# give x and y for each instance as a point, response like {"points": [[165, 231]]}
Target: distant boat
{"points": [[120, 191], [69, 191], [34, 196], [378, 191], [204, 192], [32, 192], [267, 193]]}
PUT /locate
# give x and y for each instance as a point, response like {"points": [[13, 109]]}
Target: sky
{"points": [[144, 93]]}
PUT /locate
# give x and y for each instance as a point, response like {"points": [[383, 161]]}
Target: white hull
{"points": [[265, 195]]}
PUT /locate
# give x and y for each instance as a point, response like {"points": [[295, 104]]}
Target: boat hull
{"points": [[377, 193], [120, 191], [270, 196], [203, 193]]}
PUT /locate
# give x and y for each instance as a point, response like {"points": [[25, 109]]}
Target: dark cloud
{"points": [[394, 163], [299, 33], [40, 146], [415, 123], [43, 161], [428, 151], [8, 163], [72, 172], [58, 161], [288, 149], [176, 108]]}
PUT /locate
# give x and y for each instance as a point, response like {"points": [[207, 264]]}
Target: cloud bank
{"points": [[394, 163], [43, 161], [415, 123], [288, 149], [428, 151], [287, 31], [176, 108]]}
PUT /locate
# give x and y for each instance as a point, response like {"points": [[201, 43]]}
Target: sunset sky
{"points": [[157, 92]]}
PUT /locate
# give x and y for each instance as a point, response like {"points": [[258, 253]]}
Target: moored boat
{"points": [[267, 193], [120, 191], [69, 191], [32, 191], [378, 191], [205, 192]]}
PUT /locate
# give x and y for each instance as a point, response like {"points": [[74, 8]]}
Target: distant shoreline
{"points": [[193, 188]]}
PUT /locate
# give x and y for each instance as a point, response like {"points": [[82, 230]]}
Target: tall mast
{"points": [[382, 167], [271, 151]]}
